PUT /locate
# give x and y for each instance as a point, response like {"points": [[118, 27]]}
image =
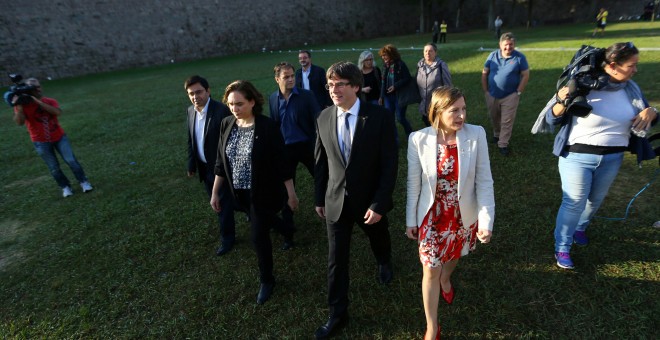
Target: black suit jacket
{"points": [[269, 170], [370, 174], [317, 83], [216, 112]]}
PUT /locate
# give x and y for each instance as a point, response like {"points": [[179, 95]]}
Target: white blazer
{"points": [[476, 197]]}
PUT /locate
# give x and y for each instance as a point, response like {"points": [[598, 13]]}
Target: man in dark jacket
{"points": [[312, 77], [204, 117]]}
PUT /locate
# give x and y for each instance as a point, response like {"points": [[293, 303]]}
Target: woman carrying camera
{"points": [[590, 148]]}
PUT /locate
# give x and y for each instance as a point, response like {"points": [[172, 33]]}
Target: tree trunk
{"points": [[421, 16]]}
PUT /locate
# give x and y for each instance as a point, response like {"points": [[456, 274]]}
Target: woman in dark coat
{"points": [[251, 160]]}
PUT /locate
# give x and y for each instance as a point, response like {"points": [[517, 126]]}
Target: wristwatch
{"points": [[519, 93]]}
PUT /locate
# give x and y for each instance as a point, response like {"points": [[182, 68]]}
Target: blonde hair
{"points": [[442, 98]]}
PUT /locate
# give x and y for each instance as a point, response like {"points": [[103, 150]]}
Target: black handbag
{"points": [[409, 94]]}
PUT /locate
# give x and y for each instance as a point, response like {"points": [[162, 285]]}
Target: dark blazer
{"points": [[401, 77], [269, 169], [305, 107], [216, 112], [317, 83], [370, 174]]}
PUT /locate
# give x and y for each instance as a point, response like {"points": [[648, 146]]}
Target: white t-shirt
{"points": [[609, 122]]}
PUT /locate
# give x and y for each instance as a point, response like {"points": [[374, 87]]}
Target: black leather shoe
{"points": [[288, 244], [329, 327], [265, 291], [224, 248], [385, 273]]}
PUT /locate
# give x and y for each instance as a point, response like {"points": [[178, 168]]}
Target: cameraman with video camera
{"points": [[40, 114], [595, 131]]}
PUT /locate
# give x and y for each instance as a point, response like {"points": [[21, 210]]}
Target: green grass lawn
{"points": [[135, 257]]}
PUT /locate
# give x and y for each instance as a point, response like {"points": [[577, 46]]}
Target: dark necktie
{"points": [[346, 137]]}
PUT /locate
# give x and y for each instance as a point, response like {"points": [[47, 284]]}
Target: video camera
{"points": [[583, 74], [23, 91]]}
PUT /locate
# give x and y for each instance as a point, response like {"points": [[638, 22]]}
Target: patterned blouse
{"points": [[239, 153]]}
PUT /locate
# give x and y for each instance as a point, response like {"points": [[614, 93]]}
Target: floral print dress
{"points": [[442, 235]]}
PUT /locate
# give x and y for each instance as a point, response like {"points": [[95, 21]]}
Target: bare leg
{"points": [[431, 294], [445, 277]]}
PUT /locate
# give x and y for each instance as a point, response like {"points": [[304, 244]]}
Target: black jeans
{"points": [[339, 244]]}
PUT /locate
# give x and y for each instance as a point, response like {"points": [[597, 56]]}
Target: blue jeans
{"points": [[47, 152], [392, 104], [585, 181]]}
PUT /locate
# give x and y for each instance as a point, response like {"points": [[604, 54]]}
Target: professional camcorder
{"points": [[23, 91], [583, 74]]}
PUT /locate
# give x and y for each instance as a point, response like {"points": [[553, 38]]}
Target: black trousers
{"points": [[339, 245], [302, 152], [260, 225], [226, 221]]}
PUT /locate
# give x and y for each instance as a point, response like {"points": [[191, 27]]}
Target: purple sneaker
{"points": [[580, 238], [564, 260]]}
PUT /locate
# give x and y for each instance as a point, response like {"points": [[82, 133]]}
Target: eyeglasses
{"points": [[369, 59], [629, 45], [338, 85]]}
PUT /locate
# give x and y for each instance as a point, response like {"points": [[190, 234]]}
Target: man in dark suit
{"points": [[355, 172], [295, 111], [311, 77], [204, 118]]}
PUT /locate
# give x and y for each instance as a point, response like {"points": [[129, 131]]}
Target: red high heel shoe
{"points": [[449, 297]]}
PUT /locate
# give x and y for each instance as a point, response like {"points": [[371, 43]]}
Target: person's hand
{"points": [[484, 235], [390, 89], [191, 173], [372, 217], [366, 89], [562, 93], [215, 202], [644, 119], [411, 232], [293, 202], [321, 212]]}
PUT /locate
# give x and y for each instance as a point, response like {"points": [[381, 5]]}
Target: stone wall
{"points": [[63, 38]]}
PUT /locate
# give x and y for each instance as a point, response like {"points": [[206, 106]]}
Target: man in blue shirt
{"points": [[503, 80], [295, 109]]}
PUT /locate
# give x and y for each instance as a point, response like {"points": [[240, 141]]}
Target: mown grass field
{"points": [[135, 257]]}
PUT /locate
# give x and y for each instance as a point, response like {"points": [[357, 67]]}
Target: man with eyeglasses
{"points": [[311, 77], [295, 110], [355, 173], [40, 115]]}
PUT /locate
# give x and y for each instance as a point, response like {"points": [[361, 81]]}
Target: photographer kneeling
{"points": [[40, 114], [590, 144]]}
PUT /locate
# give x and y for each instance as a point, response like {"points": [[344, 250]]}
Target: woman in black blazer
{"points": [[251, 160]]}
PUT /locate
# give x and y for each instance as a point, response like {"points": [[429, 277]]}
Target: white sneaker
{"points": [[66, 192], [86, 186]]}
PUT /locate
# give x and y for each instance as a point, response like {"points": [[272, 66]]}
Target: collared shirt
{"points": [[200, 127], [352, 121], [305, 77], [504, 72], [288, 118]]}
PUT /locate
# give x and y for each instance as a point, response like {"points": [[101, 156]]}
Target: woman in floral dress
{"points": [[450, 201]]}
